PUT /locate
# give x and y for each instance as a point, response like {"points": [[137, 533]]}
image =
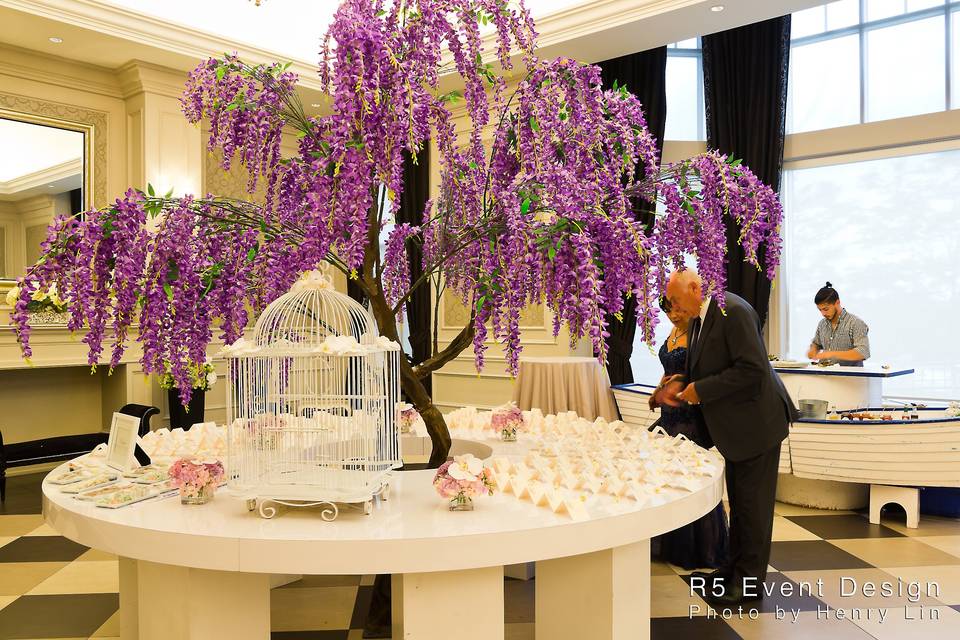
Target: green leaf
{"points": [[169, 194], [221, 72], [252, 253], [525, 206], [150, 190], [480, 302], [552, 253], [169, 291], [534, 124]]}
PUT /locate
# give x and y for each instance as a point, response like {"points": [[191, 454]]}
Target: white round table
{"points": [[204, 571]]}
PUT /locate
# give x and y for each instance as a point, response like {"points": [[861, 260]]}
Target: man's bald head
{"points": [[685, 292]]}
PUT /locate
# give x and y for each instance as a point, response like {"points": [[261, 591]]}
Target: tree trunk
{"points": [[409, 382]]}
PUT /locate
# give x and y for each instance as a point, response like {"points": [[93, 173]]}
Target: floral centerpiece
{"points": [[202, 376], [45, 305], [507, 420], [187, 406], [462, 478], [196, 479], [953, 409], [408, 417]]}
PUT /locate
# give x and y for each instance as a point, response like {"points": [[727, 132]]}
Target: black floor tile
{"points": [[23, 495], [361, 607], [698, 627], [41, 549], [57, 616], [841, 526], [519, 601], [812, 555], [338, 634]]}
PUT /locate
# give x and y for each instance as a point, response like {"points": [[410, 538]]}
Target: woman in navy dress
{"points": [[703, 543]]}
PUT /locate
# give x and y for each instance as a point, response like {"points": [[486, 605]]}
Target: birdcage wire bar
{"points": [[312, 405]]}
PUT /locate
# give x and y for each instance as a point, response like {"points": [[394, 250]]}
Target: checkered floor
{"points": [[51, 587]]}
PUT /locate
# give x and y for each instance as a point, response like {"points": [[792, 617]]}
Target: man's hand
{"points": [[689, 395], [812, 351], [823, 355], [667, 392]]}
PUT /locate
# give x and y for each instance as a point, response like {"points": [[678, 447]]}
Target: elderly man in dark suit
{"points": [[746, 411]]}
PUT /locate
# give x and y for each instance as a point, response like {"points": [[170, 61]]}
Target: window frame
{"points": [[864, 27]]}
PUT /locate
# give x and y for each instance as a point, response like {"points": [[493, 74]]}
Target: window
{"points": [[856, 61], [685, 108], [884, 232], [905, 69], [824, 84]]}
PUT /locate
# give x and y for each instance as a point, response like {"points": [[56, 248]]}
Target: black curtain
{"points": [[644, 75], [745, 91], [416, 192]]}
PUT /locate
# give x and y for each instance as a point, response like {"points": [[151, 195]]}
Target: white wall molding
{"points": [[145, 29], [62, 72], [41, 177]]}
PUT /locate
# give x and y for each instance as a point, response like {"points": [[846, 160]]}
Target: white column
{"points": [[603, 595], [197, 604], [129, 610], [467, 605]]}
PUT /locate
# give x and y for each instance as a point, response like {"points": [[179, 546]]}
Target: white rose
{"points": [[13, 295], [211, 379], [466, 467]]}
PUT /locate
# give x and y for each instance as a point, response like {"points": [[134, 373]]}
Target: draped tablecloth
{"points": [[558, 384]]}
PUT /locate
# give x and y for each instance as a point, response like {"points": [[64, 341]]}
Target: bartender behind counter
{"points": [[841, 336]]}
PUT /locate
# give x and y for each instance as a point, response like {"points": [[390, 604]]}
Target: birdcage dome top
{"points": [[314, 318]]}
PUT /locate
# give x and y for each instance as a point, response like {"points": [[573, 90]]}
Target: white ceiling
{"points": [[31, 148], [291, 28]]}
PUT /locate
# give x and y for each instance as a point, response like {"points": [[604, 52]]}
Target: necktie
{"points": [[694, 337]]}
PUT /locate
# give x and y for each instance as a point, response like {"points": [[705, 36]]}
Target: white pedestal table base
{"points": [[603, 595], [464, 604], [193, 604]]}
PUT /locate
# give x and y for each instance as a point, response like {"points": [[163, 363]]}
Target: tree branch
{"points": [[451, 351]]}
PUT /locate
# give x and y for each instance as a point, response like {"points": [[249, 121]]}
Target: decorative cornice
{"points": [[155, 32], [138, 76], [69, 73], [41, 177]]}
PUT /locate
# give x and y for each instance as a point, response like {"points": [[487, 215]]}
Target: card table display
{"points": [[580, 498]]}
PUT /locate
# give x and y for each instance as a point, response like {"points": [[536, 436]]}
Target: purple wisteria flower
{"points": [[538, 182]]}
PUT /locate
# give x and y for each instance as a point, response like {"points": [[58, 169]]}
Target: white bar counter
{"points": [[844, 388]]}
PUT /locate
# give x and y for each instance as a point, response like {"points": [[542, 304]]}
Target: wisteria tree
{"points": [[544, 214]]}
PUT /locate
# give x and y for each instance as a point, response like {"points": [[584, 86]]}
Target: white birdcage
{"points": [[312, 403]]}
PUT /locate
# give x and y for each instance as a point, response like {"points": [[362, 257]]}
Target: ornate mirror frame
{"points": [[93, 125]]}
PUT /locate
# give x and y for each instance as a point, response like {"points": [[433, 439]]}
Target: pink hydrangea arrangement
{"points": [[408, 418], [196, 479], [507, 420], [462, 478]]}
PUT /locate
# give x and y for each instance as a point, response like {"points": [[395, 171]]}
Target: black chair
{"points": [[60, 448]]}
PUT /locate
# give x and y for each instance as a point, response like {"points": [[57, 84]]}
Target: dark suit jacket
{"points": [[742, 400]]}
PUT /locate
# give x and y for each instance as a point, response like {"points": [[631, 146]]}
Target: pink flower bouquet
{"points": [[196, 479], [462, 478], [408, 417], [506, 421]]}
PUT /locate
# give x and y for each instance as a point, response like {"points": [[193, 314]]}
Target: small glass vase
{"points": [[461, 502], [203, 496], [508, 434]]}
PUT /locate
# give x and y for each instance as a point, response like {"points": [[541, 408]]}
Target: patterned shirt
{"points": [[851, 333]]}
